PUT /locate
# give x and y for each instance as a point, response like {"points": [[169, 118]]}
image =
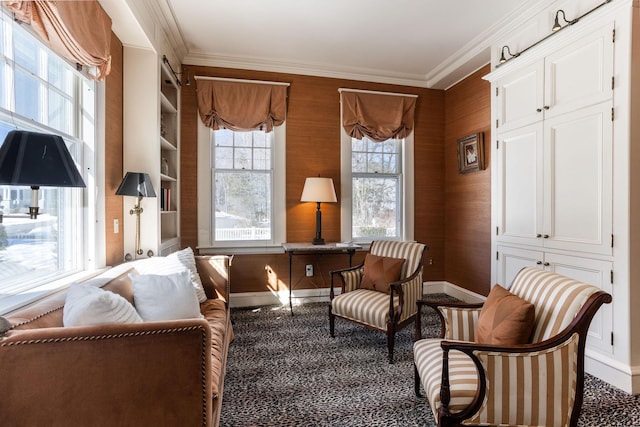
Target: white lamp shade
{"points": [[318, 189]]}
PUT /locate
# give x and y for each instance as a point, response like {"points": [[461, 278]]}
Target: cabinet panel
{"points": [[578, 187], [597, 273], [580, 74], [520, 97], [592, 271], [520, 185]]}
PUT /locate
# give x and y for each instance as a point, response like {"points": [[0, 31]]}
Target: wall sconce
{"points": [[139, 185], [503, 59], [556, 24], [318, 190], [37, 160]]}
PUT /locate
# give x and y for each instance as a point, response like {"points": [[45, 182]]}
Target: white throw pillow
{"points": [[165, 297], [174, 263], [87, 305]]}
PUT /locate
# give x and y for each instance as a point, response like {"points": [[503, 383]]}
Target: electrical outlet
{"points": [[116, 226], [430, 261], [309, 270]]}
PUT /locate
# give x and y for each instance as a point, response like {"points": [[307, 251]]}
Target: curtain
{"points": [[241, 106], [80, 31], [376, 115]]}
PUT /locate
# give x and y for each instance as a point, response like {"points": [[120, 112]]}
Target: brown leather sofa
{"points": [[168, 373]]}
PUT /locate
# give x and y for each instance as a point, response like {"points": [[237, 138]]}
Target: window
{"points": [[376, 172], [41, 92], [377, 189], [241, 190], [242, 176]]}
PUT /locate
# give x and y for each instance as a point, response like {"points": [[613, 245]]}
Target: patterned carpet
{"points": [[287, 371]]}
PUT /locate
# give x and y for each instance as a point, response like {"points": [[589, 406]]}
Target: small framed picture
{"points": [[471, 153]]}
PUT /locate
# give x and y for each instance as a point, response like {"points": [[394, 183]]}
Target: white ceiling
{"points": [[429, 43]]}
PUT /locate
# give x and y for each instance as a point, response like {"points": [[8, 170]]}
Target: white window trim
{"points": [[407, 188], [279, 214]]}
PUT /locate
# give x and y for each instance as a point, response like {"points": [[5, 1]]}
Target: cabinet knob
{"points": [[538, 236], [546, 107], [546, 236], [538, 262], [546, 264], [539, 110]]}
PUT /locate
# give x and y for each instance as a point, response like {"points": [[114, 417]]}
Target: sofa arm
{"points": [[155, 373], [215, 274]]}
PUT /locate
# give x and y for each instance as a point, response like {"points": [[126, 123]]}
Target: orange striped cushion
{"points": [[365, 306]]}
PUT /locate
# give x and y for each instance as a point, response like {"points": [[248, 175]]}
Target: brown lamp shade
{"points": [[37, 160]]}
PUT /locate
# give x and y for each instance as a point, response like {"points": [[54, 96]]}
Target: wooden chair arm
{"points": [[338, 273]]}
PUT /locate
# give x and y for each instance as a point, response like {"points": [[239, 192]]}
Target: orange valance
{"points": [[241, 106], [77, 30], [377, 116]]}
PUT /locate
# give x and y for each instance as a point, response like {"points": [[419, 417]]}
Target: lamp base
{"points": [[317, 241]]}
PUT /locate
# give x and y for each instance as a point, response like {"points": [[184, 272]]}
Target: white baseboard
{"points": [[301, 296], [625, 377], [452, 290]]}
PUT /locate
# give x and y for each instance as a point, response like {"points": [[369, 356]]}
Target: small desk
{"points": [[311, 249]]}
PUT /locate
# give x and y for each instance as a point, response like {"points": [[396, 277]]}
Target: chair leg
{"points": [[390, 341], [331, 323], [416, 381]]}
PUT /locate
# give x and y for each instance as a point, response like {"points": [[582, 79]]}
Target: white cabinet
{"points": [[573, 77], [555, 182], [169, 161], [593, 271]]}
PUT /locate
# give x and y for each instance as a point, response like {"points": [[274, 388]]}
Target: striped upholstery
{"points": [[532, 386], [557, 299], [460, 323], [364, 306], [463, 376], [380, 310], [535, 388]]}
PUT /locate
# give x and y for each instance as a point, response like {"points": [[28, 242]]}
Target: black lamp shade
{"points": [[37, 159], [136, 184]]}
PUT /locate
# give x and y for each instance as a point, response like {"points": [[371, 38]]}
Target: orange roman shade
{"points": [[80, 31], [377, 116], [241, 106]]}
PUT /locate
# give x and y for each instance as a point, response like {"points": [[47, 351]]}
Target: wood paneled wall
{"points": [[468, 196], [313, 147], [113, 155]]}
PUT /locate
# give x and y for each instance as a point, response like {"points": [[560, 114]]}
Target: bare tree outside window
{"points": [[376, 193]]}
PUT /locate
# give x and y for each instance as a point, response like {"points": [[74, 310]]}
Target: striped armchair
{"points": [[539, 384], [379, 310]]}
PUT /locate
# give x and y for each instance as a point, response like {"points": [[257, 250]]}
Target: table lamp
{"points": [[317, 189]]}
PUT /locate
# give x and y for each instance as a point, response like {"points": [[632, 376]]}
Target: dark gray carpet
{"points": [[288, 371]]}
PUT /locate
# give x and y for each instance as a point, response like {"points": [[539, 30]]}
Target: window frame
{"points": [[86, 136], [206, 240], [406, 190]]}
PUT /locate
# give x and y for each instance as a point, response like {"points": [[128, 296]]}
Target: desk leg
{"points": [[290, 281], [351, 252]]}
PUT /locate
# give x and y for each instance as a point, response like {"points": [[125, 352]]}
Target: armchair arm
{"points": [[457, 319], [544, 376], [349, 278], [408, 291]]}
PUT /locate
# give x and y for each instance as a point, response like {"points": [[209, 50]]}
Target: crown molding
{"points": [[307, 69]]}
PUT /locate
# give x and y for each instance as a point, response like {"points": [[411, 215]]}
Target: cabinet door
{"points": [[519, 158], [511, 260], [597, 273], [520, 97], [578, 181], [579, 75]]}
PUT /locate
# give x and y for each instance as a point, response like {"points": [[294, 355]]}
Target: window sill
{"points": [[240, 250], [14, 302]]}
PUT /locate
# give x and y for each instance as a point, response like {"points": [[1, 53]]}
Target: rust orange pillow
{"points": [[505, 319], [379, 271]]}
